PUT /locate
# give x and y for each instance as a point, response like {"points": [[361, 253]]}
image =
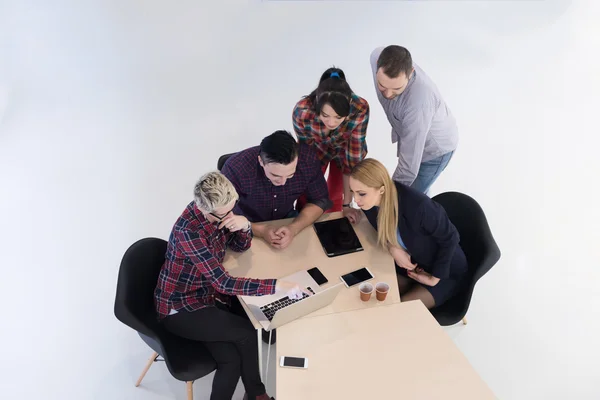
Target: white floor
{"points": [[109, 111]]}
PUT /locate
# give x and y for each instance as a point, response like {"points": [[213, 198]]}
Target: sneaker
{"points": [[262, 397]]}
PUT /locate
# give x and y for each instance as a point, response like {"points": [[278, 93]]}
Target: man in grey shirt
{"points": [[422, 124]]}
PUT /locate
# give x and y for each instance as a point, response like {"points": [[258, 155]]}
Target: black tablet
{"points": [[337, 236]]}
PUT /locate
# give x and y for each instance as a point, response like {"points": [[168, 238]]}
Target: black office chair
{"points": [[186, 360], [222, 160], [479, 246]]}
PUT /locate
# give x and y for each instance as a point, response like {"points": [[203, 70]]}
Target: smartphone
{"points": [[318, 276], [293, 362], [356, 277]]}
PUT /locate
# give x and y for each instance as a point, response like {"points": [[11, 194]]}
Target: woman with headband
{"points": [[334, 121]]}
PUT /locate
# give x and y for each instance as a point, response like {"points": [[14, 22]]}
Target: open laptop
{"points": [[337, 236], [273, 311]]}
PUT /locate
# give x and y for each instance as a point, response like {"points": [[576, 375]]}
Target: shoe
{"points": [[262, 397], [265, 336]]}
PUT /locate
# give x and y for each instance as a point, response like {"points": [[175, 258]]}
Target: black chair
{"points": [[222, 160], [186, 360], [479, 246]]}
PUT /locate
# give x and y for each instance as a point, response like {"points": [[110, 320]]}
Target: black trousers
{"points": [[230, 337]]}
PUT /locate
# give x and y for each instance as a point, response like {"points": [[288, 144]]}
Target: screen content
{"points": [[317, 276], [357, 277], [293, 362]]}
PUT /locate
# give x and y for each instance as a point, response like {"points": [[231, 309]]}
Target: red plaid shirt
{"points": [[193, 275], [346, 145]]}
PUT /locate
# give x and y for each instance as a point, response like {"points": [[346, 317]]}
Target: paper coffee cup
{"points": [[381, 291], [366, 289]]}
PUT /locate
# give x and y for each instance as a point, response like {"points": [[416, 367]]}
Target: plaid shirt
{"points": [[260, 200], [193, 275], [346, 145]]}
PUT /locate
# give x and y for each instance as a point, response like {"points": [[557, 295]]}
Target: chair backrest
{"points": [[479, 246], [138, 275], [222, 160], [476, 238]]}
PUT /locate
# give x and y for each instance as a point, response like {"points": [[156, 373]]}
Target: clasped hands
{"points": [[413, 271]]}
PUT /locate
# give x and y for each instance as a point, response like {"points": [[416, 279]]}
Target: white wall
{"points": [[109, 111]]}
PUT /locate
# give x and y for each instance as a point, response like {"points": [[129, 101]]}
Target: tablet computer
{"points": [[337, 236]]}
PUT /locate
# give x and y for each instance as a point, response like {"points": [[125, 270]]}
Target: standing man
{"points": [[422, 123]]}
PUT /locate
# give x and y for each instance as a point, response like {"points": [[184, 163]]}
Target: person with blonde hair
{"points": [[195, 296], [430, 265]]}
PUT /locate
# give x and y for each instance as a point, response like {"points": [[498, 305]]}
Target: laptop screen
{"points": [[337, 237]]}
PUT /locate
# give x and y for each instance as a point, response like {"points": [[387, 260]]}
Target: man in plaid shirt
{"points": [[270, 178]]}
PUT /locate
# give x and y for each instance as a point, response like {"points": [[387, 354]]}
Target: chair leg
{"points": [[464, 320], [190, 390], [148, 365]]}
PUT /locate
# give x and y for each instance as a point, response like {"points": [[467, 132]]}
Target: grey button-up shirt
{"points": [[422, 124]]}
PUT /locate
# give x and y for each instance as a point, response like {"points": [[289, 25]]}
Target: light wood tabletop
{"points": [[305, 252], [397, 351]]}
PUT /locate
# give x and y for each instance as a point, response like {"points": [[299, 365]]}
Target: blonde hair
{"points": [[213, 190], [373, 174]]}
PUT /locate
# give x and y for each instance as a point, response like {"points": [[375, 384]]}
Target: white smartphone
{"points": [[356, 277], [293, 362]]}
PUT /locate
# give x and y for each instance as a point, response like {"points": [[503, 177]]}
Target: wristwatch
{"points": [[346, 205]]}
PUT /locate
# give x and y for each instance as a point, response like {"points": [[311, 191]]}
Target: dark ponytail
{"points": [[333, 90]]}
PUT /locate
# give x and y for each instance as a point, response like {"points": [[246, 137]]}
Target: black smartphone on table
{"points": [[318, 276]]}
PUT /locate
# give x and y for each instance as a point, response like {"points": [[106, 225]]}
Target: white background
{"points": [[110, 110]]}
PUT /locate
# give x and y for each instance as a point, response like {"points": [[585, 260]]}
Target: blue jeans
{"points": [[429, 172]]}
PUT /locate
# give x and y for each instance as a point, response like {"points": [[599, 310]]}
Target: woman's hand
{"points": [[291, 289], [235, 223], [423, 277], [402, 258], [352, 214]]}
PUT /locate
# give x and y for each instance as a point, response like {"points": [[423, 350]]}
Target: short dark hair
{"points": [[280, 147], [333, 90], [395, 60]]}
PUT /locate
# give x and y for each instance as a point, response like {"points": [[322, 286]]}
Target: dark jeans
{"points": [[231, 339]]}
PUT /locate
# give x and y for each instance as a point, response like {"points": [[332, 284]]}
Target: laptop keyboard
{"points": [[270, 309]]}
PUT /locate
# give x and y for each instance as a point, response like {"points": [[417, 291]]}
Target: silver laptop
{"points": [[273, 311]]}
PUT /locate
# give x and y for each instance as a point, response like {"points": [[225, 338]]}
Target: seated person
{"points": [[431, 266], [195, 296], [270, 178]]}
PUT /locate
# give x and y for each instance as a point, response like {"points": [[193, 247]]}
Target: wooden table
{"points": [[397, 351], [305, 252]]}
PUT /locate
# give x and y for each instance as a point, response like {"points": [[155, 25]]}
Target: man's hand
{"points": [[235, 223], [268, 234], [276, 237], [402, 258], [352, 214], [423, 277], [285, 236]]}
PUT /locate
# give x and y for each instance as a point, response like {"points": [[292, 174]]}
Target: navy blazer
{"points": [[430, 238]]}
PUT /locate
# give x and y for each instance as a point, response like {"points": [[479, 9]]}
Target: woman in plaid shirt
{"points": [[334, 120], [195, 297]]}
